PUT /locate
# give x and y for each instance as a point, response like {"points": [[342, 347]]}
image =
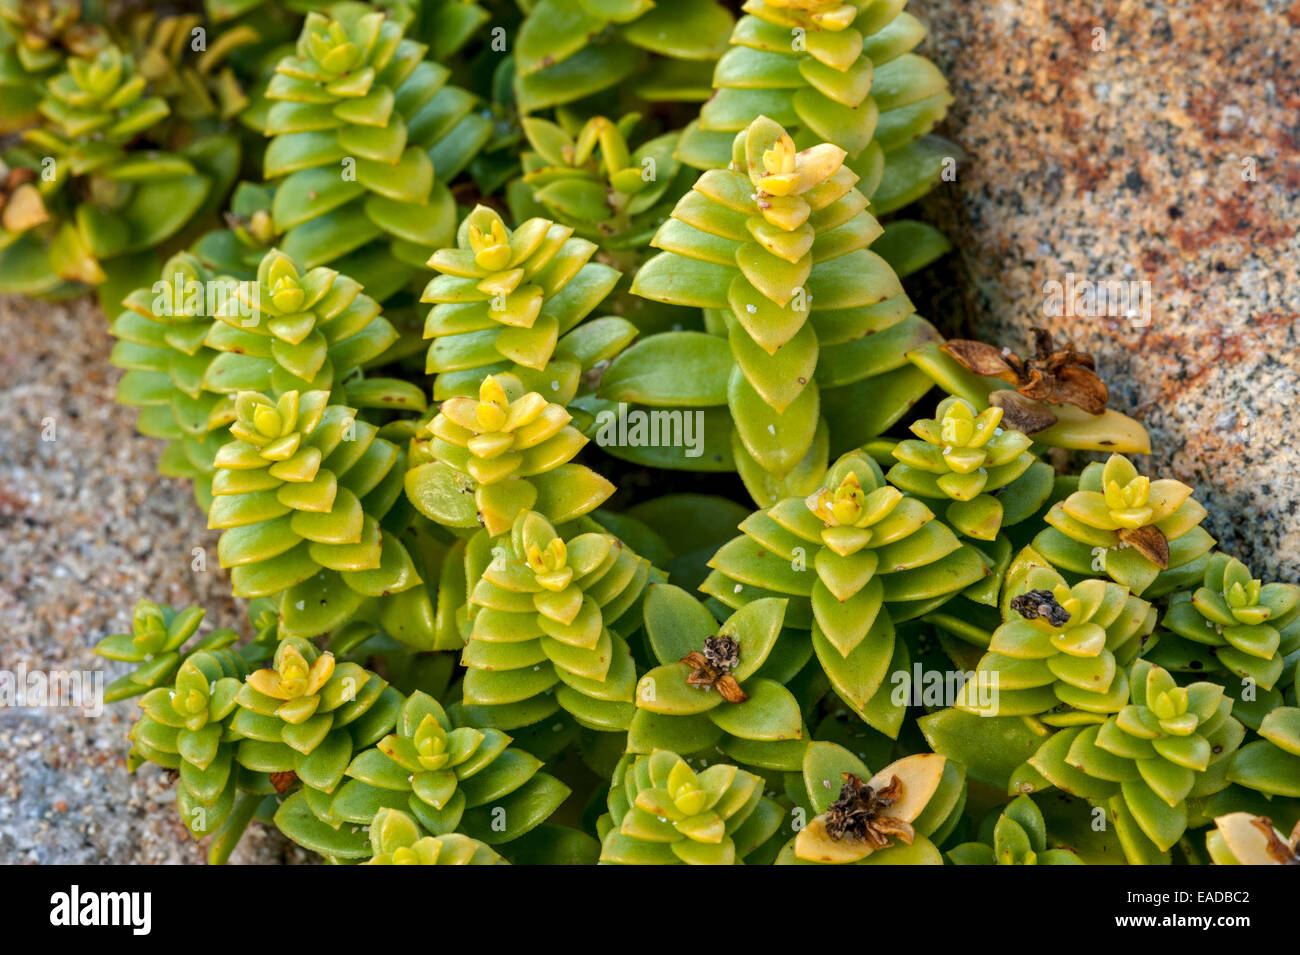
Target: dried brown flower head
{"points": [[1040, 603], [712, 668], [722, 652], [859, 814], [1053, 375], [1278, 850]]}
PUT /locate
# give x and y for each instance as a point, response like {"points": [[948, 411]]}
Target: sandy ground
{"points": [[86, 529]]}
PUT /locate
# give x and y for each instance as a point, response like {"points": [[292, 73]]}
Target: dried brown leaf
{"points": [[1148, 541], [1021, 413], [982, 359]]}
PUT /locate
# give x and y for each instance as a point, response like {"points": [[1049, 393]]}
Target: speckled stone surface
{"points": [[86, 529], [1135, 162]]}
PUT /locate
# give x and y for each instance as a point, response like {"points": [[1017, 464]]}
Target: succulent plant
{"points": [[161, 343], [1170, 743], [662, 812], [720, 678], [853, 558], [1250, 627], [395, 839], [156, 644], [366, 134], [299, 495], [103, 206], [776, 246], [568, 50], [967, 458], [1018, 837], [307, 715], [36, 36], [186, 727], [449, 778], [1063, 652], [486, 461], [291, 328], [1144, 534], [589, 178], [548, 622], [505, 297], [842, 73]]}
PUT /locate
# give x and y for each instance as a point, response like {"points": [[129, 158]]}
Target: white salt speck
{"points": [[739, 588], [555, 386], [771, 429], [301, 605], [752, 309]]}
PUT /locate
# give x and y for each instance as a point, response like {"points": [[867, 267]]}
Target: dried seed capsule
{"points": [[900, 811], [1068, 665]]}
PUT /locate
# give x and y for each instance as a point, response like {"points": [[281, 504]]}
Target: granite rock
{"points": [[1154, 143]]}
